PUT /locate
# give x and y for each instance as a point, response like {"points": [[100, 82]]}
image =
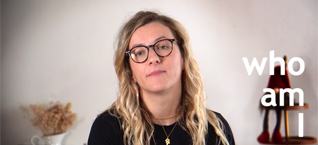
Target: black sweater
{"points": [[106, 130]]}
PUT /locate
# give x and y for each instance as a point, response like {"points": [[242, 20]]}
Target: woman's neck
{"points": [[164, 106]]}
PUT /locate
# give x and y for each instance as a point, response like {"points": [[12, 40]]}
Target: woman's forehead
{"points": [[149, 34]]}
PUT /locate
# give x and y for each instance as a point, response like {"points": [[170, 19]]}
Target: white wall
{"points": [[63, 50]]}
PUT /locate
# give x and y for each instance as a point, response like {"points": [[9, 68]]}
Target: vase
{"points": [[48, 140]]}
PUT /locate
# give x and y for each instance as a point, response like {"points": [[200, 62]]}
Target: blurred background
{"points": [[63, 51]]}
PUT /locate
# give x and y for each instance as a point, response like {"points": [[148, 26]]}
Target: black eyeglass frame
{"points": [[128, 52]]}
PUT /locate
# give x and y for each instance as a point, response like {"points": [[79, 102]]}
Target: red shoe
{"points": [[264, 137], [277, 137]]}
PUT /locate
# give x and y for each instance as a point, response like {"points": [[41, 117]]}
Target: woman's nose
{"points": [[153, 57]]}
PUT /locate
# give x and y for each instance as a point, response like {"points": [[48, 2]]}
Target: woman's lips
{"points": [[155, 73]]}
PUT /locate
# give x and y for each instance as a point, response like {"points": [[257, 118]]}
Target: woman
{"points": [[161, 100]]}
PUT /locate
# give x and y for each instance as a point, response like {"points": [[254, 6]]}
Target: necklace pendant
{"points": [[167, 141]]}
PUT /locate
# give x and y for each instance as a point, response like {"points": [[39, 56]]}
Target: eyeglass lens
{"points": [[162, 48]]}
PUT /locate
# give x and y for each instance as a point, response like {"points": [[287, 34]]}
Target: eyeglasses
{"points": [[162, 48]]}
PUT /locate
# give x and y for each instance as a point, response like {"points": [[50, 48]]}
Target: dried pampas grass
{"points": [[50, 119]]}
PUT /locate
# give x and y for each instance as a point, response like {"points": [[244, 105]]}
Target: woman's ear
{"points": [[184, 76], [182, 64], [133, 78], [182, 60]]}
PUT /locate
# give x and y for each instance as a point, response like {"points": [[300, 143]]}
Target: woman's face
{"points": [[156, 74]]}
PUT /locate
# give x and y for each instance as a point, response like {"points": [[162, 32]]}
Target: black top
{"points": [[106, 130]]}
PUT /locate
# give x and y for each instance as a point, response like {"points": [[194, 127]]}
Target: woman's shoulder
{"points": [[225, 127], [218, 115], [105, 130], [106, 115], [108, 120]]}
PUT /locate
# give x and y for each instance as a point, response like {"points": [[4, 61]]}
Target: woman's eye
{"points": [[163, 47], [139, 53]]}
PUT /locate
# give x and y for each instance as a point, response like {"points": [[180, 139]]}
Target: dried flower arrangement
{"points": [[52, 119]]}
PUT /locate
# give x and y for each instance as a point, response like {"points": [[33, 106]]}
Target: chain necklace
{"points": [[167, 139], [165, 118]]}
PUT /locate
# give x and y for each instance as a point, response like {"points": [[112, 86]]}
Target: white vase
{"points": [[48, 140]]}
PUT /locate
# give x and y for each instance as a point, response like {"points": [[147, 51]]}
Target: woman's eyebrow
{"points": [[141, 44], [159, 38]]}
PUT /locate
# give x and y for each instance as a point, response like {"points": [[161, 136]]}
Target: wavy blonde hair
{"points": [[135, 122]]}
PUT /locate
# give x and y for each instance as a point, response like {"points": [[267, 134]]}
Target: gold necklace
{"points": [[166, 118], [167, 139]]}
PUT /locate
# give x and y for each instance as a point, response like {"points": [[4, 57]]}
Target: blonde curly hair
{"points": [[135, 121]]}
